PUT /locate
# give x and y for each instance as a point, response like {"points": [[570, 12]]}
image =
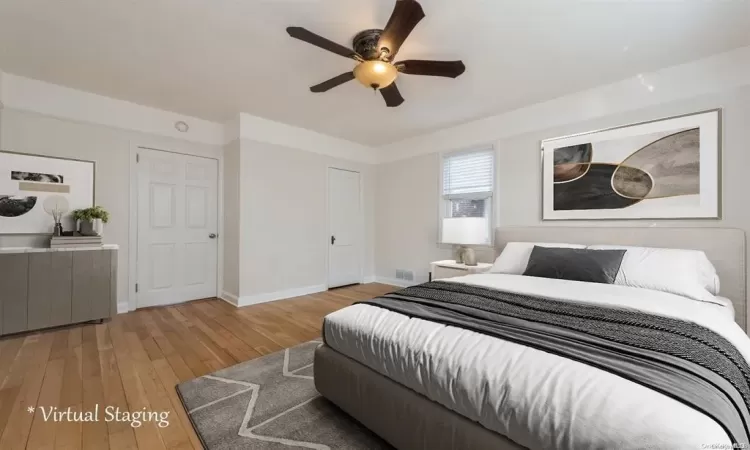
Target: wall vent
{"points": [[407, 275]]}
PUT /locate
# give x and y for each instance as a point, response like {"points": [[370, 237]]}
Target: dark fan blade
{"points": [[406, 15], [319, 41], [391, 95], [450, 69], [333, 82]]}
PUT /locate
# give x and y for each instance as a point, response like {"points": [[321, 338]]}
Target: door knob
{"points": [[212, 235], [333, 239]]}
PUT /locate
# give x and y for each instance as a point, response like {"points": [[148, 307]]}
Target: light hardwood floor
{"points": [[134, 362]]}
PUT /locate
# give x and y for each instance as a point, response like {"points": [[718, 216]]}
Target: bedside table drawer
{"points": [[448, 272]]}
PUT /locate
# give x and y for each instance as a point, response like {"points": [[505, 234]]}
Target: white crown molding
{"points": [[49, 99], [716, 73], [26, 94]]}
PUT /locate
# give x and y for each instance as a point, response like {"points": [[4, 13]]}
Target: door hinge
{"points": [[136, 288], [137, 157]]}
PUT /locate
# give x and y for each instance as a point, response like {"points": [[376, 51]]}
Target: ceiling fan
{"points": [[375, 50]]}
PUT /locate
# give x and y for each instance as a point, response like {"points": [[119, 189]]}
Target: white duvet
{"points": [[536, 399]]}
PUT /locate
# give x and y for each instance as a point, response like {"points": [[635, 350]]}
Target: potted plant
{"points": [[91, 220]]}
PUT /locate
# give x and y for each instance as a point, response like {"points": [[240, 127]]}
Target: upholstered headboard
{"points": [[725, 247]]}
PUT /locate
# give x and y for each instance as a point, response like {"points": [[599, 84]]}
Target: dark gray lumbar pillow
{"points": [[594, 266]]}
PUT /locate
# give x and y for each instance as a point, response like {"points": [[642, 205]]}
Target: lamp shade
{"points": [[465, 231]]}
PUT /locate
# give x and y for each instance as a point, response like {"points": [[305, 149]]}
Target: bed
{"points": [[422, 383]]}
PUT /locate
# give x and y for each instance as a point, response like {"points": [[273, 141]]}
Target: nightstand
{"points": [[450, 268]]}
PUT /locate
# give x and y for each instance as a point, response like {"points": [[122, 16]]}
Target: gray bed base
{"points": [[399, 415]]}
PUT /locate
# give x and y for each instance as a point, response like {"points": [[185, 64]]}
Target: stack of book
{"points": [[75, 241]]}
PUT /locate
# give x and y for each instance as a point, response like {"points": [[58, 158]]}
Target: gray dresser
{"points": [[42, 288]]}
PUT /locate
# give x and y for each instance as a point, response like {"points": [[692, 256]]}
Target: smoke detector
{"points": [[181, 126]]}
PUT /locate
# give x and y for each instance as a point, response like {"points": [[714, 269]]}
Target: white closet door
{"points": [[345, 248]]}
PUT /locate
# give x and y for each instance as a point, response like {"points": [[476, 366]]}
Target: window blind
{"points": [[468, 173]]}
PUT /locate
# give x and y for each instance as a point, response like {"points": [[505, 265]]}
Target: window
{"points": [[468, 185]]}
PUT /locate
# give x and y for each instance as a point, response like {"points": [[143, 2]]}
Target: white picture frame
{"points": [[661, 169], [26, 176]]}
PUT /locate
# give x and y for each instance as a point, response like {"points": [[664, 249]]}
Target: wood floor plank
{"points": [[272, 325], [168, 378], [17, 429], [234, 323], [134, 361], [181, 348], [238, 349], [11, 371], [68, 433], [95, 434], [173, 436], [146, 436], [213, 353], [8, 356], [42, 435], [121, 434], [178, 364]]}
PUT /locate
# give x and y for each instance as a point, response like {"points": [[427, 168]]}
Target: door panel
{"points": [[91, 284], [50, 299], [345, 224], [177, 213], [14, 285]]}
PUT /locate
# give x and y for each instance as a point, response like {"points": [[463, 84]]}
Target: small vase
{"points": [[87, 228], [58, 230]]}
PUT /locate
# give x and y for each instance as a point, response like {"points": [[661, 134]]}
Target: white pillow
{"points": [[683, 272], [515, 256]]}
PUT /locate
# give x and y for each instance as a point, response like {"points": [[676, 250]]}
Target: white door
{"points": [[177, 227], [345, 226]]}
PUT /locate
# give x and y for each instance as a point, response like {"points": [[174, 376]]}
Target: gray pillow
{"points": [[594, 266]]}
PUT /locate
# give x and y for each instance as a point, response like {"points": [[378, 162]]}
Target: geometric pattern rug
{"points": [[270, 403]]}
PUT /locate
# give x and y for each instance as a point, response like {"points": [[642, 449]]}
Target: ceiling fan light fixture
{"points": [[375, 74]]}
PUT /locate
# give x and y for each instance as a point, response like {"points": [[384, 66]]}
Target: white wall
{"points": [[714, 74], [407, 191], [284, 230], [49, 99], [275, 238], [2, 105], [53, 120], [109, 147], [231, 233], [263, 130]]}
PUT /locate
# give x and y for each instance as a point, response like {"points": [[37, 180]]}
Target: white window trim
{"points": [[493, 202]]}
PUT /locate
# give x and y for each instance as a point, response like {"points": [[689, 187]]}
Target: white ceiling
{"points": [[214, 58]]}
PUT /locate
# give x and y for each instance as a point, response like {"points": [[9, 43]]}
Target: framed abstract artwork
{"points": [[663, 169], [26, 181]]}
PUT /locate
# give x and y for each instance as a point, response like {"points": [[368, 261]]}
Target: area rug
{"points": [[270, 403]]}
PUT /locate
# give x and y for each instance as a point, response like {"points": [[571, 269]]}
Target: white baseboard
{"points": [[395, 282], [123, 307], [247, 300], [229, 298], [370, 279]]}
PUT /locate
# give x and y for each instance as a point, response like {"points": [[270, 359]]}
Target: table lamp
{"points": [[463, 231]]}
